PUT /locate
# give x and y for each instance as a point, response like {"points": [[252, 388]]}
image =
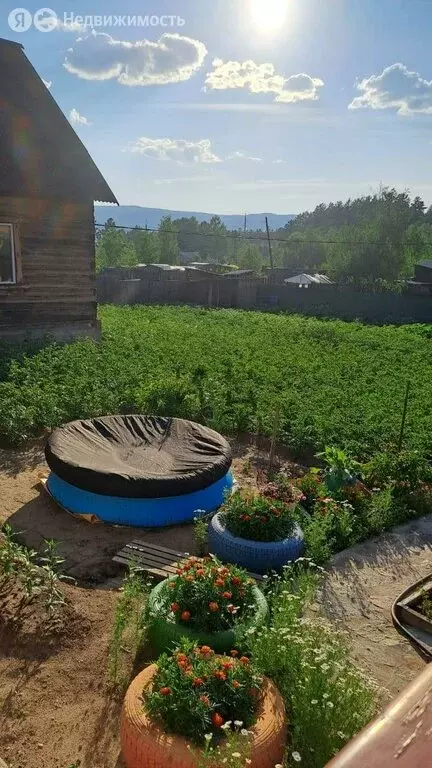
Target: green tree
{"points": [[169, 250], [115, 249]]}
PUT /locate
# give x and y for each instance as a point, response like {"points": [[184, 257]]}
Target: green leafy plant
{"points": [[281, 488], [195, 692], [200, 528], [251, 516], [52, 578], [425, 604], [128, 631], [207, 595], [406, 470], [340, 467], [328, 698], [329, 530]]}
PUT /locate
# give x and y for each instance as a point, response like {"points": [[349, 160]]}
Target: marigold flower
{"points": [[213, 607], [236, 580], [245, 518], [227, 664], [220, 674], [185, 615], [217, 720], [227, 595], [198, 681], [175, 607], [200, 572], [236, 684], [165, 691], [234, 653], [219, 582], [205, 700], [244, 660], [205, 650]]}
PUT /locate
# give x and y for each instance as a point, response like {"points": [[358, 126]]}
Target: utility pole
{"points": [[269, 245], [245, 224]]}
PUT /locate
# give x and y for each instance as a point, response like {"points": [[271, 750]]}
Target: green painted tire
{"points": [[164, 634]]}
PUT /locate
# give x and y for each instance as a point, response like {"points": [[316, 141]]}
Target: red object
{"points": [[165, 691], [400, 737], [217, 719], [227, 595], [213, 607], [174, 607], [185, 615]]}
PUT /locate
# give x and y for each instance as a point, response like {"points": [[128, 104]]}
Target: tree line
{"points": [[372, 238]]}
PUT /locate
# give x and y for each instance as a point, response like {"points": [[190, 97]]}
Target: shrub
{"points": [[282, 489], [196, 693], [312, 488], [406, 470], [256, 517], [207, 595], [330, 529]]}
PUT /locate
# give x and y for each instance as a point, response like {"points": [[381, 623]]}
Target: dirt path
{"points": [[55, 705]]}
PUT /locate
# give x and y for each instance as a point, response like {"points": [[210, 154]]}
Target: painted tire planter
{"points": [[164, 634], [256, 556], [138, 470], [144, 744]]}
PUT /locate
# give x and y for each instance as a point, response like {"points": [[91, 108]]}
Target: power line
{"points": [[240, 236]]}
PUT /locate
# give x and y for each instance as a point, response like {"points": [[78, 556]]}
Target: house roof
{"points": [[41, 156], [426, 263], [305, 279]]}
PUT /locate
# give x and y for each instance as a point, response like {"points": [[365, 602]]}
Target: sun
{"points": [[268, 15]]}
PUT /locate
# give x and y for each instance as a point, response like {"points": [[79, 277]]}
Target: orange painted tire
{"points": [[145, 745]]}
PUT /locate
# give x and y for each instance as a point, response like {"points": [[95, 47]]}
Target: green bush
{"points": [[250, 516]]}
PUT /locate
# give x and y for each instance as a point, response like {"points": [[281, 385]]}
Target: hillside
{"points": [[137, 216]]}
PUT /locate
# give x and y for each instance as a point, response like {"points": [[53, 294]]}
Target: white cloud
{"points": [[395, 88], [77, 119], [172, 59], [47, 83], [262, 78], [178, 150], [239, 155]]}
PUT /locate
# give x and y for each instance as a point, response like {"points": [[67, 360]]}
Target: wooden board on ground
{"points": [[157, 561]]}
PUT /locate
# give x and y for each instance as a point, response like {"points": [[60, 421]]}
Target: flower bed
{"points": [[257, 532], [206, 601], [207, 699]]}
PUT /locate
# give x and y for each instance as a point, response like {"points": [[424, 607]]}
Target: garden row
{"points": [[331, 382]]}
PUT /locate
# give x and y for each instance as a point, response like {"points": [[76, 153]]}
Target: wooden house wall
{"points": [[57, 283]]}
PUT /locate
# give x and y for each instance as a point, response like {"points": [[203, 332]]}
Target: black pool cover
{"points": [[138, 456]]}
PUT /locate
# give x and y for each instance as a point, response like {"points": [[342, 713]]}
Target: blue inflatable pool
{"points": [[137, 470], [147, 513]]}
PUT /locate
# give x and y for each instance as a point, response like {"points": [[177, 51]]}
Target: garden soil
{"points": [[56, 707]]}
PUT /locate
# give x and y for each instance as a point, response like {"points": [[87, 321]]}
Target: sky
{"points": [[232, 106]]}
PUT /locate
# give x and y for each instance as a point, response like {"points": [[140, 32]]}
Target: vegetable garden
{"points": [[333, 383]]}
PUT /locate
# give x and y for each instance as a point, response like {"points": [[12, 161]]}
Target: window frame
{"points": [[16, 263]]}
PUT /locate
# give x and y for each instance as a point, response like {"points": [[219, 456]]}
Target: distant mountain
{"points": [[137, 216]]}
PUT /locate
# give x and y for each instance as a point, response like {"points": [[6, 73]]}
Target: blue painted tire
{"points": [[146, 513], [164, 635], [256, 556]]}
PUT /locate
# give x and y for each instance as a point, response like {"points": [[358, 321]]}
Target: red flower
{"points": [[219, 582], [205, 650], [244, 660], [236, 684], [217, 719], [246, 518], [236, 580], [198, 681], [205, 700], [227, 595], [220, 674], [213, 607], [228, 664], [175, 607], [185, 615], [234, 653], [200, 572], [165, 691], [189, 579]]}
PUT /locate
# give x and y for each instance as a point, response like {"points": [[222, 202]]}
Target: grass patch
{"points": [[337, 383]]}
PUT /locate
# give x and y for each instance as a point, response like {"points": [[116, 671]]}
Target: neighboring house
{"points": [[48, 183], [160, 272], [187, 257], [304, 280], [240, 274], [423, 272]]}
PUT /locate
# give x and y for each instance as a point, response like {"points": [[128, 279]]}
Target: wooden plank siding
{"points": [[57, 264]]}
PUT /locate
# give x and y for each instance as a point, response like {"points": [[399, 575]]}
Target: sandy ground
{"points": [[55, 704]]}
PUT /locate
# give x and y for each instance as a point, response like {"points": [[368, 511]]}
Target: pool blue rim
{"points": [[142, 513]]}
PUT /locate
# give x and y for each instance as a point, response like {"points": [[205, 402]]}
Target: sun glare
{"points": [[268, 15]]}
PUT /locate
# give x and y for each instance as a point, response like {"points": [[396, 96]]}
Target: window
{"points": [[7, 254]]}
